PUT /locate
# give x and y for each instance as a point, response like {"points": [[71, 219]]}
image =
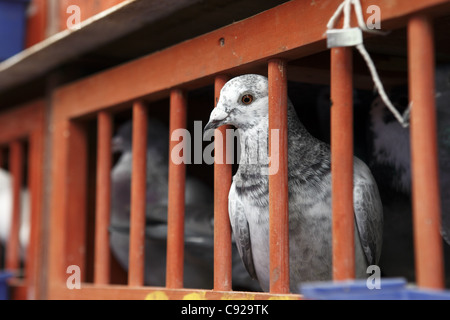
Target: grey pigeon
{"points": [[391, 165], [243, 103], [199, 215]]}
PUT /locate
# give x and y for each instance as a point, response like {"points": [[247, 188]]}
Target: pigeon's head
{"points": [[157, 135], [243, 103], [121, 142]]}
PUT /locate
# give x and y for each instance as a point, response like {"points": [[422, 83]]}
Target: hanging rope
{"points": [[353, 37]]}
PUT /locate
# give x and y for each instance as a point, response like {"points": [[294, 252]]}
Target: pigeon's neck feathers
{"points": [[255, 144]]}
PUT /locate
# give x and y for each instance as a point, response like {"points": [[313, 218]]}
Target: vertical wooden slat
{"points": [[16, 169], [278, 182], [424, 164], [222, 227], [103, 199], [77, 216], [342, 163], [138, 196], [177, 178], [66, 189], [34, 252], [58, 225]]}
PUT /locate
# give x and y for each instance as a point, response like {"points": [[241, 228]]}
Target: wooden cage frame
{"points": [[25, 123], [266, 41]]}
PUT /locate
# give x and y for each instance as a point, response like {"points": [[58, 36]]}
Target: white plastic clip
{"points": [[344, 37]]}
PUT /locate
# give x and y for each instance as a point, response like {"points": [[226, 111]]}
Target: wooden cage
{"points": [[285, 42]]}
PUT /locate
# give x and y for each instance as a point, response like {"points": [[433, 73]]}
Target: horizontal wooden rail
{"points": [[30, 117], [115, 292], [279, 32]]}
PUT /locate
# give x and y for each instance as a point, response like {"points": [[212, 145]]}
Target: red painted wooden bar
{"points": [[278, 181], [16, 158], [424, 164], [34, 261], [342, 163], [138, 195], [176, 207], [103, 198], [222, 184], [76, 249]]}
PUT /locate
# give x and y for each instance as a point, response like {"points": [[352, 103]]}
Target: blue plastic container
{"points": [[4, 288], [391, 289], [12, 27]]}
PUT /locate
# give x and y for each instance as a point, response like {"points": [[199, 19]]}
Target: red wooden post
{"points": [[278, 182], [222, 227], [138, 196], [177, 178], [424, 164], [103, 199], [16, 156], [34, 251], [342, 163]]}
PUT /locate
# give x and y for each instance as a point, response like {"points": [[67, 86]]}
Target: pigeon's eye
{"points": [[247, 99]]}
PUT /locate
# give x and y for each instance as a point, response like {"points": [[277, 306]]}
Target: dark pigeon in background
{"points": [[361, 103], [243, 103], [199, 215], [443, 123], [391, 165]]}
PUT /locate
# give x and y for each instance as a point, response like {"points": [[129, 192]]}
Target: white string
{"points": [[345, 7], [347, 13]]}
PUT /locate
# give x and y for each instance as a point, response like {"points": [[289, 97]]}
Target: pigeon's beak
{"points": [[211, 125], [218, 118]]}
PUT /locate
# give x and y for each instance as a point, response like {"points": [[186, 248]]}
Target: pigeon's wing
{"points": [[198, 223], [241, 230], [368, 212]]}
